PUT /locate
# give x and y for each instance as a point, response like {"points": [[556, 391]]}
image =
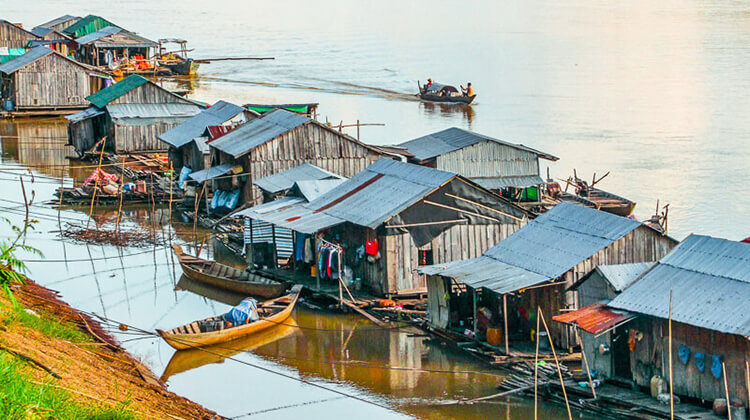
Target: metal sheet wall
{"points": [[489, 159]]}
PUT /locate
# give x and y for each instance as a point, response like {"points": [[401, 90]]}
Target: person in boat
{"points": [[244, 313], [429, 83], [468, 91]]}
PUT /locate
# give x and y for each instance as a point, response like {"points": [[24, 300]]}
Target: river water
{"points": [[658, 93]]}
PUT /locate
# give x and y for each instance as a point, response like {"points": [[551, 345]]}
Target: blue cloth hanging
{"points": [[684, 352], [700, 361], [716, 366]]}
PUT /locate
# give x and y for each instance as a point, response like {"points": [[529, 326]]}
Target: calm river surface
{"points": [[658, 93]]}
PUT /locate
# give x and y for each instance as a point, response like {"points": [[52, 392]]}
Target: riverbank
{"points": [[59, 363]]}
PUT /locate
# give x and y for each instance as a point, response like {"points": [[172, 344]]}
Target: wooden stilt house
{"points": [[389, 220], [532, 268], [43, 81], [111, 44], [14, 36], [130, 114]]}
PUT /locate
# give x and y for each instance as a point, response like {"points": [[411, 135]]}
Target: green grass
{"points": [[21, 399], [43, 323]]}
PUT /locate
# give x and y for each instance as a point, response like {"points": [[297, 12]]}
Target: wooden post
{"points": [[119, 207], [275, 252], [96, 181], [474, 298], [586, 363], [505, 322], [671, 386], [536, 364], [557, 362], [357, 129], [747, 381], [726, 390]]}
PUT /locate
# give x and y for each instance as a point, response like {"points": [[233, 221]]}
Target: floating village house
{"points": [[112, 43], [280, 140], [53, 39], [188, 141], [13, 36], [392, 218], [532, 268], [708, 280], [86, 25], [130, 114], [494, 164], [60, 23], [43, 81]]}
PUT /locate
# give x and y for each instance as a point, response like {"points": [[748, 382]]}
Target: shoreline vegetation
{"points": [[56, 362]]}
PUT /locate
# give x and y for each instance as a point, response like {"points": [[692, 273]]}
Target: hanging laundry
{"points": [[683, 352], [716, 366], [308, 251], [700, 361], [299, 246], [371, 247]]}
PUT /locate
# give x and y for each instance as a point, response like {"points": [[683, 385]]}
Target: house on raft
{"points": [[13, 36], [386, 222], [60, 23], [112, 44], [188, 141], [280, 140], [45, 82], [506, 168], [130, 114], [531, 269], [707, 281]]}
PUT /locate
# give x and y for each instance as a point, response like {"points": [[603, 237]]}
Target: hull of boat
{"points": [[184, 68], [266, 288], [188, 341], [447, 99]]}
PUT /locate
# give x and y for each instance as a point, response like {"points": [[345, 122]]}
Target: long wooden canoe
{"points": [[228, 278], [611, 203], [199, 334]]}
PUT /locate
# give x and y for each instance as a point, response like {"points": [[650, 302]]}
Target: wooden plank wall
{"points": [[52, 82], [652, 352], [308, 143], [140, 138], [487, 159], [149, 94], [12, 36]]}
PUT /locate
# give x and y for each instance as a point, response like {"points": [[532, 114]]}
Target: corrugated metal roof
{"points": [[110, 93], [454, 138], [284, 180], [101, 33], [258, 131], [217, 114], [150, 111], [24, 60], [40, 31], [58, 20], [595, 318], [87, 25], [89, 112], [312, 189], [292, 213], [488, 273], [710, 282], [211, 173], [621, 276], [381, 191], [202, 144], [498, 182], [216, 131], [561, 238]]}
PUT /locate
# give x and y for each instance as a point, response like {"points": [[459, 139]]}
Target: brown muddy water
{"points": [[391, 373]]}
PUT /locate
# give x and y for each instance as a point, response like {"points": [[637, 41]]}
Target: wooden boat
{"points": [[228, 278], [189, 359], [210, 331], [182, 67], [611, 203], [444, 93]]}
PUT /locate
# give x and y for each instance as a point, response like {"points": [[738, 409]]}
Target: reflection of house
{"points": [[281, 140], [60, 23], [37, 144], [130, 114], [707, 281], [408, 216], [531, 269], [494, 164], [188, 141], [44, 80], [110, 44], [13, 36]]}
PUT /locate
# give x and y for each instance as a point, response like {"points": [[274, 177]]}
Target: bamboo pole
{"points": [[726, 390], [96, 181], [505, 322], [119, 207], [557, 362], [747, 381], [671, 386], [536, 364], [585, 363]]}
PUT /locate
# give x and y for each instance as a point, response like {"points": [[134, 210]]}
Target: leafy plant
{"points": [[12, 269]]}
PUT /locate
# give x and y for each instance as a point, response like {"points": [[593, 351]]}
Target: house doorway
{"points": [[621, 353]]}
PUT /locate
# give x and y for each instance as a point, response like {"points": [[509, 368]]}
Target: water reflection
{"points": [[449, 110], [40, 143]]}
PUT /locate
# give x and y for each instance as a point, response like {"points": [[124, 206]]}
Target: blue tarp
{"points": [[239, 315], [184, 173]]}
